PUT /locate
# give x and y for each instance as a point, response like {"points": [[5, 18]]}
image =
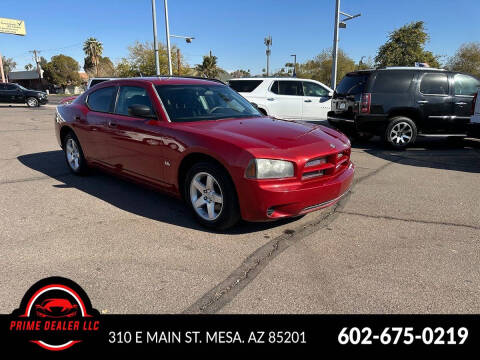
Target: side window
{"points": [[102, 100], [434, 84], [312, 89], [466, 85], [131, 95], [290, 88], [3, 87], [392, 81], [274, 87], [11, 87]]}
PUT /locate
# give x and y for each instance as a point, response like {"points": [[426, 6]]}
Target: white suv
{"points": [[474, 125], [286, 98]]}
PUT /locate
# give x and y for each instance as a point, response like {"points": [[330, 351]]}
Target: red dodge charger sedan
{"points": [[200, 140]]}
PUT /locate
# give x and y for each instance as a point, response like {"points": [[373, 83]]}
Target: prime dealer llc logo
{"points": [[55, 314]]}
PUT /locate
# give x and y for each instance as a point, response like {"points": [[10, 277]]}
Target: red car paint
{"points": [[56, 308], [141, 149]]}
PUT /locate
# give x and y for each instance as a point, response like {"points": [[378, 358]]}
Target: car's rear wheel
{"points": [[211, 195], [32, 102], [74, 155], [401, 132]]}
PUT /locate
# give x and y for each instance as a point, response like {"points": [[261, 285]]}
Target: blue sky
{"points": [[233, 29]]}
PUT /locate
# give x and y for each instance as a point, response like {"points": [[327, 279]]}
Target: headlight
{"points": [[269, 169]]}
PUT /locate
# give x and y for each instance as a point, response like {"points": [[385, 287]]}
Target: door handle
{"points": [[461, 103], [112, 124], [422, 101], [270, 99], [308, 100]]}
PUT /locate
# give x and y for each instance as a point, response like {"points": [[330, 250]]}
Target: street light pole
{"points": [[155, 42], [338, 24], [167, 30], [335, 45]]}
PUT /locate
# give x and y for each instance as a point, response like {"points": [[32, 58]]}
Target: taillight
{"points": [[474, 102], [365, 102]]}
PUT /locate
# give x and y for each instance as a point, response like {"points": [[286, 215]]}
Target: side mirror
{"points": [[143, 111], [330, 94]]}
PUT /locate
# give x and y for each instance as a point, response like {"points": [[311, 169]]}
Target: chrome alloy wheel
{"points": [[401, 133], [73, 154], [32, 102], [206, 196]]}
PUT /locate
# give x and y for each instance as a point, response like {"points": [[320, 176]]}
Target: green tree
{"points": [[466, 59], [93, 50], [364, 65], [105, 67], [8, 65], [62, 70], [141, 60], [240, 73], [208, 67], [320, 68], [405, 47], [28, 67]]}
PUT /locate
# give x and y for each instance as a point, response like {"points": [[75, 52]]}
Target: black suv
{"points": [[14, 93], [400, 102]]}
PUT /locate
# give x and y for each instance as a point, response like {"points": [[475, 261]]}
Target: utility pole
{"points": [[268, 42], [155, 42], [178, 61], [338, 24], [294, 65], [167, 31], [1, 69], [35, 58]]}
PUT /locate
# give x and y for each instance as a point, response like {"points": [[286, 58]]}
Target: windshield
{"points": [[21, 87], [352, 84], [203, 102]]}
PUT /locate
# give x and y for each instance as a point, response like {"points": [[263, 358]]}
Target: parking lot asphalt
{"points": [[406, 239]]}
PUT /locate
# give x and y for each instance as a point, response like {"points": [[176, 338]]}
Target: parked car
{"points": [[91, 82], [286, 98], [15, 93], [199, 140], [473, 129], [400, 103]]}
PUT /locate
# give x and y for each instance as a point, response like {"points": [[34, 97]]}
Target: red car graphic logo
{"points": [[56, 308]]}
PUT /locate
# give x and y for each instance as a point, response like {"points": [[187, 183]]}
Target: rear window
{"points": [[392, 81], [244, 85], [352, 84], [282, 87]]}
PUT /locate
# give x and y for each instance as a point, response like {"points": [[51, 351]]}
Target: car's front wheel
{"points": [[401, 132], [74, 154], [32, 102], [211, 195]]}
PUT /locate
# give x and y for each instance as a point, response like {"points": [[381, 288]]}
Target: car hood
{"points": [[269, 136]]}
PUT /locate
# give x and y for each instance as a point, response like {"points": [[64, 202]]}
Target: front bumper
{"points": [[262, 201], [43, 101]]}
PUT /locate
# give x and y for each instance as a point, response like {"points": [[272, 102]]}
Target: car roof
{"points": [[272, 78], [170, 80]]}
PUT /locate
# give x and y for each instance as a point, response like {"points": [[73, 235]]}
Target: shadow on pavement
{"points": [[128, 196]]}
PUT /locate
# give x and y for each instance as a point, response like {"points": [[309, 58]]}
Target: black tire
{"points": [[81, 168], [228, 213], [405, 130], [32, 102]]}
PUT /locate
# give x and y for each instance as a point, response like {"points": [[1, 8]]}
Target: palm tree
{"points": [[28, 67], [208, 67], [93, 49]]}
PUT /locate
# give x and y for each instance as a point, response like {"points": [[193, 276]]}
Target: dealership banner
{"points": [[12, 26], [56, 315]]}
